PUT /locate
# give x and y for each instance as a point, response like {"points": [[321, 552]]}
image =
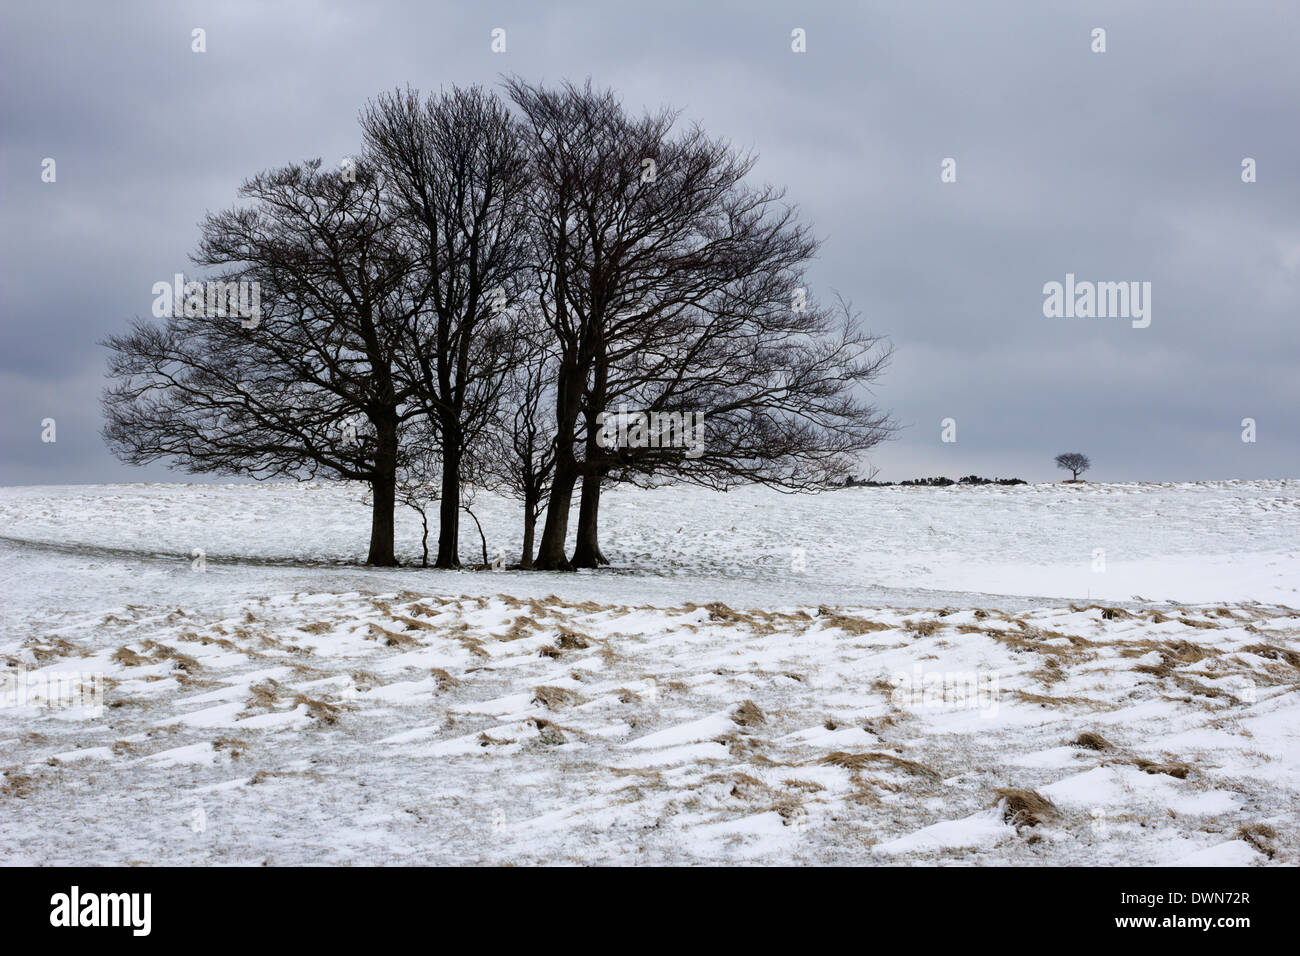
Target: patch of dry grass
{"points": [[1024, 808], [129, 658], [862, 761], [390, 638], [553, 698], [1261, 836], [445, 680], [748, 715], [847, 623], [572, 641], [318, 710]]}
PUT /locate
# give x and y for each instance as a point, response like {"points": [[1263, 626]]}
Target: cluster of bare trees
{"points": [[462, 306]]}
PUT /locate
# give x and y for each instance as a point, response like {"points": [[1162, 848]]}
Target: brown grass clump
{"points": [[1050, 673], [743, 786], [1173, 654], [522, 626], [230, 745], [862, 761], [791, 813], [51, 648], [414, 624], [924, 628], [748, 715], [1024, 808], [849, 624], [318, 710], [1272, 653], [184, 663], [207, 640], [741, 745], [1091, 741], [1043, 701], [320, 627], [445, 680], [390, 638], [553, 698], [1107, 613], [547, 732], [572, 641], [17, 784], [548, 650], [1173, 769], [163, 652], [1261, 836], [877, 725], [265, 694], [720, 612], [128, 658]]}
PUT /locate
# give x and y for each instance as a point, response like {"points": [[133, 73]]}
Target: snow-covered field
{"points": [[865, 676]]}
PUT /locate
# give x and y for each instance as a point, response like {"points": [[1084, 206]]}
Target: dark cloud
{"points": [[1120, 166]]}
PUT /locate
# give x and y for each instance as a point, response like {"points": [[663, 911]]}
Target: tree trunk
{"points": [[555, 533], [587, 553], [550, 553], [482, 537], [530, 528], [449, 508], [384, 494]]}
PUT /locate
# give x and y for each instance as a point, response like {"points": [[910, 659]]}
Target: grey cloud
{"points": [[1116, 166]]}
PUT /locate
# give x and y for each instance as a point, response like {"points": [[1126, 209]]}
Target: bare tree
{"points": [[312, 385], [1074, 463], [522, 456], [419, 476], [455, 167], [673, 287], [776, 398]]}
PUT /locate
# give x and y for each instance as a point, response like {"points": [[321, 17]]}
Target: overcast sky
{"points": [[1117, 166]]}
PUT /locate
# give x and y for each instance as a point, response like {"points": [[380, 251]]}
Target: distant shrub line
{"points": [[939, 482]]}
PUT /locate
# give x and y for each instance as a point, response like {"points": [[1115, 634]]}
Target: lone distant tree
{"points": [[1074, 463]]}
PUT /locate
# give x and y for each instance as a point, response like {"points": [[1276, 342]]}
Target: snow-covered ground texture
{"points": [[409, 728], [887, 676], [1207, 541]]}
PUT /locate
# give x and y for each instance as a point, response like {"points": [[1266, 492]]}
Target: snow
{"points": [[978, 830], [1232, 853], [861, 701]]}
